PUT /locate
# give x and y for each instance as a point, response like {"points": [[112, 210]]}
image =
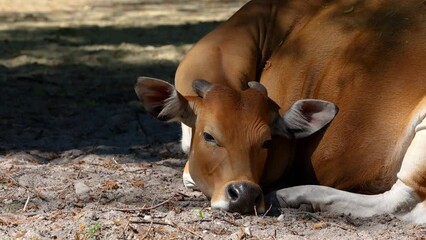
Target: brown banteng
{"points": [[246, 95]]}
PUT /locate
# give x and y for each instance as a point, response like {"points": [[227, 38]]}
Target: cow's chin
{"points": [[250, 200]]}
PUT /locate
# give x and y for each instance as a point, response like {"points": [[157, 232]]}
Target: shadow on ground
{"points": [[71, 89]]}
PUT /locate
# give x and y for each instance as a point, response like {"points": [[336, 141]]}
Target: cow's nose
{"points": [[244, 197]]}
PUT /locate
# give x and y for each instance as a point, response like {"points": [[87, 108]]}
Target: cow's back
{"points": [[369, 58]]}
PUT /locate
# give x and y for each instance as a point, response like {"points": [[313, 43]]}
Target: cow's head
{"points": [[232, 131]]}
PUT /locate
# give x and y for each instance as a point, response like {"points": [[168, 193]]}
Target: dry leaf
{"points": [[81, 227], [19, 235], [320, 225], [3, 222], [110, 185], [110, 164], [137, 183]]}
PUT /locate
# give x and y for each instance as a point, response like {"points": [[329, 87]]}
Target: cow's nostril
{"points": [[232, 193]]}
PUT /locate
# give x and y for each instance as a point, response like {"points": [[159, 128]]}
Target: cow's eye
{"points": [[209, 138], [266, 144]]}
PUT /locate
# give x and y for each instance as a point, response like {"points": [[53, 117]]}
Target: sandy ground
{"points": [[79, 159]]}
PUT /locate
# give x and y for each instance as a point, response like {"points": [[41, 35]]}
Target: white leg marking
{"points": [[400, 200], [186, 138], [414, 163], [417, 214], [413, 169], [188, 182]]}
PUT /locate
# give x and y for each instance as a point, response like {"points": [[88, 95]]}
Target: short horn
{"points": [[259, 87], [201, 87]]}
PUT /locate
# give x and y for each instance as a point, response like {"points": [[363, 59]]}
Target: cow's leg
{"points": [[400, 200], [406, 198], [187, 179], [186, 146], [186, 138]]}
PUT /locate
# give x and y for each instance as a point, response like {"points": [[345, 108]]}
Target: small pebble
{"points": [[247, 231], [81, 188]]}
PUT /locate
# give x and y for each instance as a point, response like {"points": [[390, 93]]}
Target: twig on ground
{"points": [[143, 208], [149, 230], [27, 188], [168, 224], [350, 221], [125, 229], [30, 214], [183, 194], [78, 174], [267, 211], [198, 221], [292, 231], [60, 193], [154, 222], [26, 204], [223, 216], [190, 231], [231, 222], [133, 228], [311, 215], [193, 199]]}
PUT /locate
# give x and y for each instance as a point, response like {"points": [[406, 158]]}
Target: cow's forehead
{"points": [[233, 113], [228, 101]]}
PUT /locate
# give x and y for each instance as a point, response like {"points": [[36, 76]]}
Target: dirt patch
{"points": [[79, 159]]}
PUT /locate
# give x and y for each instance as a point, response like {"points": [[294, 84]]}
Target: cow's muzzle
{"points": [[244, 197]]}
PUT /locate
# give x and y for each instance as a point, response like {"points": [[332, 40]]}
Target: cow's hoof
{"points": [[278, 200], [274, 199], [272, 204]]}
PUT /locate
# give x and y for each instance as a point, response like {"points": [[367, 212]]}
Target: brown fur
{"points": [[367, 57]]}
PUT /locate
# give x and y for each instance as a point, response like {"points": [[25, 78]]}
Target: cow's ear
{"points": [[305, 117], [162, 101]]}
